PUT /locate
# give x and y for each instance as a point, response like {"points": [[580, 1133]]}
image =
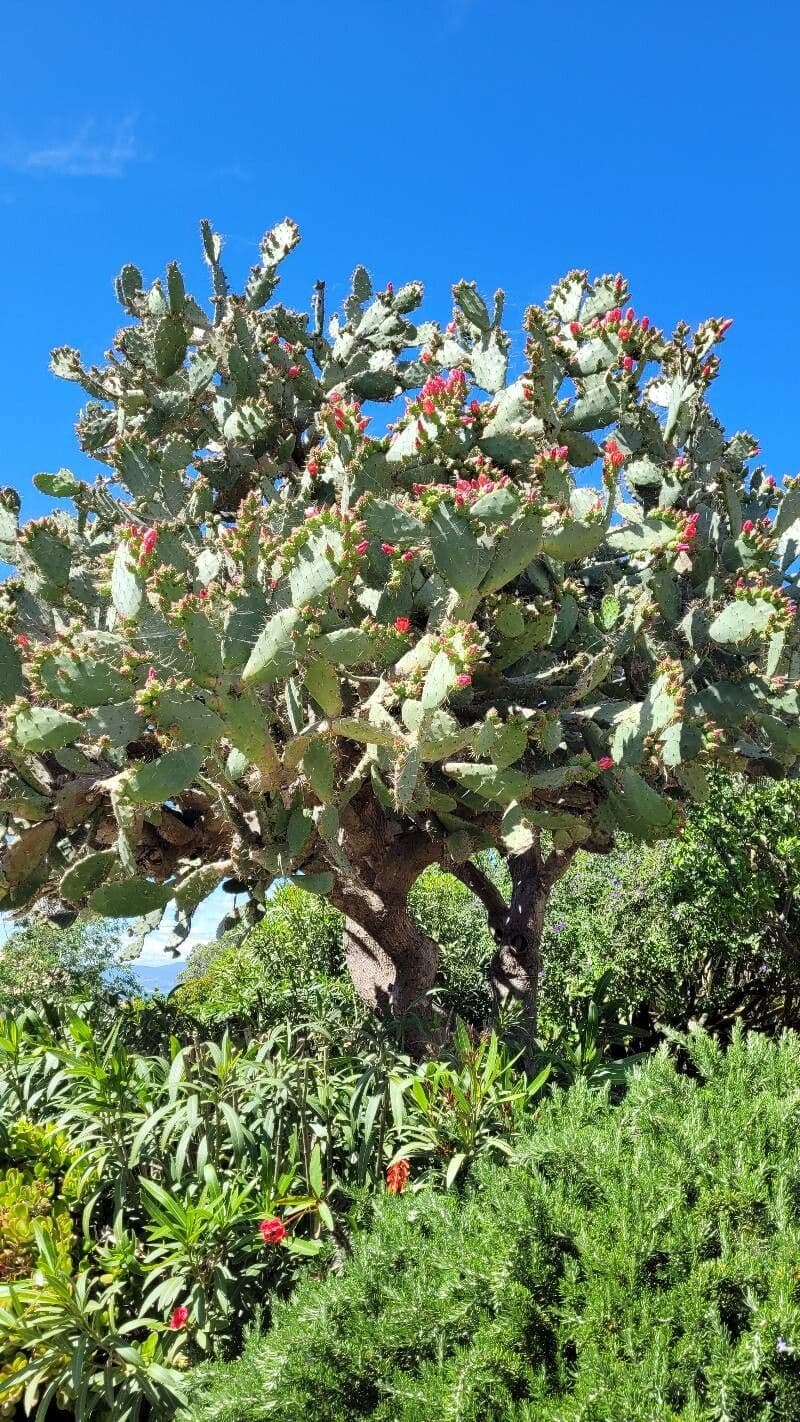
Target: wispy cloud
{"points": [[92, 150]]}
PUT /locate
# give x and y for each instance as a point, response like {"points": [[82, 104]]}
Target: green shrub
{"points": [[40, 961], [163, 1163], [704, 928], [639, 1264], [289, 967]]}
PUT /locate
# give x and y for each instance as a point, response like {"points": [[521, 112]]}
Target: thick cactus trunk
{"points": [[393, 964]]}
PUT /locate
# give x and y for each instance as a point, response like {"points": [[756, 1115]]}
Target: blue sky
{"points": [[504, 141]]}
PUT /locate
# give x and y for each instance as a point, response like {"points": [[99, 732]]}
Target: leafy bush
{"points": [[40, 961], [164, 1164], [290, 966], [640, 1264], [703, 928]]}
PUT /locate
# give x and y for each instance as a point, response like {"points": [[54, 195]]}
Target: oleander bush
{"points": [[155, 1200], [639, 1263]]}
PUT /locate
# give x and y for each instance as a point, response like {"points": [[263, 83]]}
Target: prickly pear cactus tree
{"points": [[271, 642]]}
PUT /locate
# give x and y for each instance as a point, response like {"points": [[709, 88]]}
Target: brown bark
{"points": [[516, 965], [393, 964]]}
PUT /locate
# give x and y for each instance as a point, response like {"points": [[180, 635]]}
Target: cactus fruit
{"points": [[272, 640]]}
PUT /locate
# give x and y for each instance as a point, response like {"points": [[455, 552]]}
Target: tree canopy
{"points": [[271, 641]]}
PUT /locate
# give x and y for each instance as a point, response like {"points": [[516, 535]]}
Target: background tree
{"points": [[267, 644]]}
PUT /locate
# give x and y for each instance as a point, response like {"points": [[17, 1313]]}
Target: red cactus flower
{"points": [[293, 372], [407, 556], [149, 541], [273, 1230], [387, 548], [605, 763], [402, 624], [748, 526], [575, 328], [179, 1318], [624, 333], [362, 546], [203, 593], [645, 323], [313, 468], [614, 454], [627, 362], [463, 679], [397, 1177], [22, 640]]}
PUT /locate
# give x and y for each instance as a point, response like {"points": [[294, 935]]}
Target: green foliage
{"points": [[469, 1106], [41, 961], [291, 964], [262, 616], [704, 928], [289, 967], [640, 1262], [135, 1169], [446, 910]]}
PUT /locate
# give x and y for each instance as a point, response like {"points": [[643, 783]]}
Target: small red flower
{"points": [[407, 557], [273, 1230], [149, 541], [397, 1177], [313, 468], [645, 323], [387, 548], [463, 679], [22, 640], [605, 763], [362, 546], [748, 526], [613, 453], [402, 624], [627, 363], [575, 328], [293, 372], [179, 1318]]}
